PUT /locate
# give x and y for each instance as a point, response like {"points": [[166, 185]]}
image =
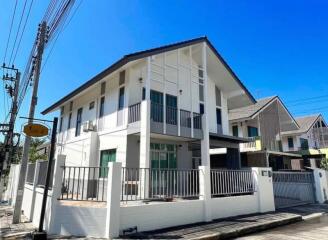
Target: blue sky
{"points": [[275, 47]]}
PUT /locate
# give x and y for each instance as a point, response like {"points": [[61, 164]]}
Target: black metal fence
{"points": [[225, 183], [84, 183], [140, 184], [134, 113]]}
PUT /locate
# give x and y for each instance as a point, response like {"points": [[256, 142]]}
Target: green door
{"points": [[106, 156]]}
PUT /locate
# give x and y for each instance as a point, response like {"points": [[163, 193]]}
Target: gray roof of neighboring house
{"points": [[305, 124], [142, 54], [251, 110]]}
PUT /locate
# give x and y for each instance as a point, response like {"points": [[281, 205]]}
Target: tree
{"points": [[324, 164], [34, 153]]}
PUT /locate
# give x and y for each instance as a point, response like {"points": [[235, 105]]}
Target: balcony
{"points": [[172, 121], [253, 145]]}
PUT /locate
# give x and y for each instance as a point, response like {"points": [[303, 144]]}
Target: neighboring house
{"points": [[263, 122], [161, 108], [310, 140]]}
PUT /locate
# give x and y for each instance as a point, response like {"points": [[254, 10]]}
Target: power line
{"points": [[21, 36], [10, 29], [63, 27], [19, 25]]}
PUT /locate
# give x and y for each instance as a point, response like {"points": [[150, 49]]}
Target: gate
{"points": [[293, 188]]}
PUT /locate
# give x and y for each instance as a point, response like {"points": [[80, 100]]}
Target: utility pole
{"points": [[9, 138], [10, 135], [42, 38]]}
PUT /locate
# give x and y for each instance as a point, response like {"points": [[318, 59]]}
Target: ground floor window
{"points": [[163, 156], [106, 156]]}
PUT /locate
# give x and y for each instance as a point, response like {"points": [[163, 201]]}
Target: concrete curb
{"points": [[233, 233]]}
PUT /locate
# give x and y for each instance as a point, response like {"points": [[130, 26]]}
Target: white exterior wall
{"points": [[27, 199], [297, 141]]}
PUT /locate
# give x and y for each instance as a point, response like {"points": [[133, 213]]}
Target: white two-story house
{"points": [[160, 108], [264, 122], [310, 140]]}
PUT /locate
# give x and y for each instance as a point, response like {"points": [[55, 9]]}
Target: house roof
{"points": [[142, 54], [305, 123], [251, 110]]}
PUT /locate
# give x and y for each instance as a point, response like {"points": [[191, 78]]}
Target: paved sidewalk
{"points": [[13, 231], [219, 229]]}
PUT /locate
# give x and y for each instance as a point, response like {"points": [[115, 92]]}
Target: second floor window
{"points": [[304, 144], [102, 107], [290, 142], [121, 98], [61, 124], [218, 116], [171, 109], [69, 121], [78, 122], [252, 131], [235, 130], [201, 108]]}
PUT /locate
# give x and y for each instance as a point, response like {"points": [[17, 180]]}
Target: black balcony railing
{"points": [[171, 115], [185, 118]]}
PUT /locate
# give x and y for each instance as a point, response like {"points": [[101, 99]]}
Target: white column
{"points": [[113, 200], [191, 96], [35, 181], [205, 191], [144, 157], [321, 184], [205, 142], [264, 189], [56, 193]]}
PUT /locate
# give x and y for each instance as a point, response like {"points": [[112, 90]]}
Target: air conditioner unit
{"points": [[88, 126]]}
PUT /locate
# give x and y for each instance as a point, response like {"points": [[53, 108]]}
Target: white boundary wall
{"points": [[11, 191], [109, 220]]}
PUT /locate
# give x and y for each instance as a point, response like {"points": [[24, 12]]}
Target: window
{"points": [[91, 105], [78, 122], [156, 113], [143, 93], [201, 108], [102, 88], [252, 131], [121, 98], [163, 156], [218, 116], [122, 78], [304, 144], [71, 105], [201, 93], [61, 124], [171, 109], [62, 110], [101, 107], [106, 156], [290, 142], [217, 96], [69, 121], [235, 131]]}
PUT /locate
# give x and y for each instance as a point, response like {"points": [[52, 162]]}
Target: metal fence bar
{"points": [[162, 184], [84, 183], [134, 113], [226, 183]]}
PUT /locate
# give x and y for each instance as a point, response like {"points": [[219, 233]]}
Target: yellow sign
{"points": [[35, 130]]}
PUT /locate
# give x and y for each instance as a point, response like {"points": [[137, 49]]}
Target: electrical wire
{"points": [[18, 30], [10, 30], [21, 36], [64, 26]]}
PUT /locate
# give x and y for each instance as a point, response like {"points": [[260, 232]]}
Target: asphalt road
{"points": [[313, 229]]}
